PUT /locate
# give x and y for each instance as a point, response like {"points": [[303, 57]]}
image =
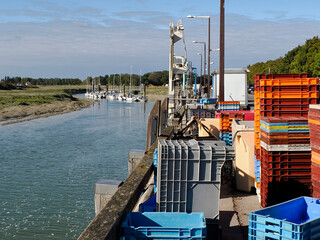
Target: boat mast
{"points": [[120, 84], [130, 78], [140, 81], [92, 86], [87, 85]]}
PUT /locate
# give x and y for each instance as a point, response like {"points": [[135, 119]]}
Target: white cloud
{"points": [[248, 41], [81, 46], [93, 48]]}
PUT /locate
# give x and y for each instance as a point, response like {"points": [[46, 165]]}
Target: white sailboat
{"points": [[121, 97], [112, 95], [87, 89], [130, 97]]}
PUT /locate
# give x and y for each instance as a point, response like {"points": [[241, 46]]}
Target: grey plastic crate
{"points": [[189, 175], [200, 113], [194, 106]]}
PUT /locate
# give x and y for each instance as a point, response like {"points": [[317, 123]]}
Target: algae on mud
{"points": [[44, 101], [41, 101]]}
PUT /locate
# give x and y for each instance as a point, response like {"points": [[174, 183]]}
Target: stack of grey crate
{"points": [[189, 176], [200, 111]]}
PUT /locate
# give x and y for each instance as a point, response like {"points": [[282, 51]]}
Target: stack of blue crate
{"points": [[229, 106], [155, 164]]}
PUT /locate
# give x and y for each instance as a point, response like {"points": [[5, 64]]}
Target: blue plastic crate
{"points": [[149, 205], [228, 107], [257, 169], [160, 225], [155, 157], [295, 130], [257, 179], [295, 124], [227, 134], [208, 100], [227, 137], [295, 219]]}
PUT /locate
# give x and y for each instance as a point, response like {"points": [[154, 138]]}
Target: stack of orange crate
{"points": [[257, 117], [282, 95], [225, 124]]}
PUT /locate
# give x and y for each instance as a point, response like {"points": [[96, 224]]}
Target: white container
{"points": [[235, 85]]}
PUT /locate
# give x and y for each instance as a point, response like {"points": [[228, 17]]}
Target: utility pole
{"points": [[209, 50], [221, 79], [200, 69]]}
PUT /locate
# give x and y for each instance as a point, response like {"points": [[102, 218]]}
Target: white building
{"points": [[235, 85]]}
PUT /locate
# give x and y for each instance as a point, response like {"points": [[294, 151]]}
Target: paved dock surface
{"points": [[234, 212]]}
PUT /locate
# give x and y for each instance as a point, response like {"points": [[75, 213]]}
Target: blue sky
{"points": [[80, 38]]}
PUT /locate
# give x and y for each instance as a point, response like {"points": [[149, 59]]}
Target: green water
{"points": [[49, 167]]}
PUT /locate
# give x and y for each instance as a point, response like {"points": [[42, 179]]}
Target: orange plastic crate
{"points": [[281, 76], [289, 94], [229, 102], [289, 81], [290, 88]]}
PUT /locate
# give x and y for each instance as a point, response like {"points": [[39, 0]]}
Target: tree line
{"points": [[157, 78], [42, 81], [302, 59]]}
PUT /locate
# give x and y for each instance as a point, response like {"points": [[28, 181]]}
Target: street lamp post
{"points": [[214, 90], [204, 63], [208, 78], [200, 68], [221, 62]]}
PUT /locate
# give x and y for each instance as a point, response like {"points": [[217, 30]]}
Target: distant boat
{"points": [[88, 93], [95, 93], [102, 94], [142, 98], [121, 97], [112, 97], [130, 98]]}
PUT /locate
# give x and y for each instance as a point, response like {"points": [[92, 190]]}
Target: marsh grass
{"points": [[38, 95], [157, 90]]}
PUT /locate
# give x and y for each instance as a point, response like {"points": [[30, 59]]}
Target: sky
{"points": [[81, 38]]}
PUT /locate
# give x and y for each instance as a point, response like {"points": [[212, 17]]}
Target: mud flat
{"points": [[20, 113]]}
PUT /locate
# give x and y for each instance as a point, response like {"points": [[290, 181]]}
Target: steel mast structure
{"points": [[178, 66]]}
